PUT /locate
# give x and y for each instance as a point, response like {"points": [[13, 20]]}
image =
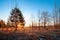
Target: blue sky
{"points": [[27, 7]]}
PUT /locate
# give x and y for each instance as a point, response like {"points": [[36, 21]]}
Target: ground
{"points": [[29, 34]]}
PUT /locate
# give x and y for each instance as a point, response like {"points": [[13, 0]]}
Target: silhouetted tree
{"points": [[39, 15], [16, 17], [2, 23], [32, 22], [59, 15], [45, 18], [58, 18]]}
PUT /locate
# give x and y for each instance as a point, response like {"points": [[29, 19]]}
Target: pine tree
{"points": [[16, 17]]}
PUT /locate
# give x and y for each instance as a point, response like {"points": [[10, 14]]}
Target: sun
{"points": [[19, 26]]}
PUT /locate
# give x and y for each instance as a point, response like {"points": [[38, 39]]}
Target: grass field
{"points": [[28, 33]]}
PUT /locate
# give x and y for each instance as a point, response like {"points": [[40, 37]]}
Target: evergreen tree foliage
{"points": [[16, 17]]}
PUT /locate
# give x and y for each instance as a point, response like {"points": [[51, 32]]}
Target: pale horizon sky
{"points": [[27, 7]]}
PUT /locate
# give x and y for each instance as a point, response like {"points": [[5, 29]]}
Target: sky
{"points": [[27, 7]]}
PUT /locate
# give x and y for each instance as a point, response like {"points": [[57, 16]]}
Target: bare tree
{"points": [[56, 15], [32, 22], [59, 15], [39, 18], [45, 18], [58, 20]]}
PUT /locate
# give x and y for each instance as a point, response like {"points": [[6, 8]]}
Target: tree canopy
{"points": [[16, 17]]}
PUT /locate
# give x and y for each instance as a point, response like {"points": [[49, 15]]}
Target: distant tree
{"points": [[58, 18], [45, 18], [16, 17], [39, 15], [59, 15], [32, 21], [2, 23]]}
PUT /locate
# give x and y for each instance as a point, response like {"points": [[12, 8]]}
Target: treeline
{"points": [[46, 19]]}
